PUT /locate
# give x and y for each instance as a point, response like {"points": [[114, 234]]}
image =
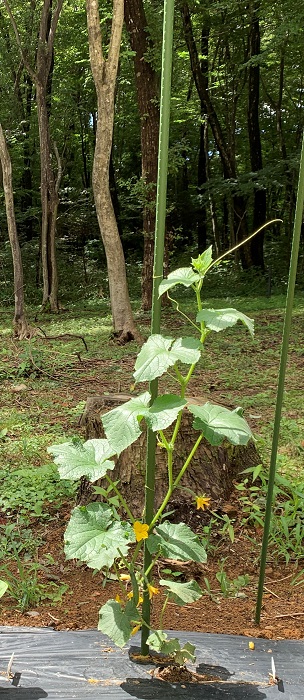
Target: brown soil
{"points": [[283, 603]]}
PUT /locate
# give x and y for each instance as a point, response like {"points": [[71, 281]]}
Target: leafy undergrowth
{"points": [[44, 386]]}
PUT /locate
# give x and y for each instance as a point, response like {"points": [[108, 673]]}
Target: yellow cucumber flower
{"points": [[202, 502], [141, 530], [152, 590], [140, 599], [135, 629], [125, 577]]}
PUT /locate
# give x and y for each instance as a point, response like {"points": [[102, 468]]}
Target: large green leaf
{"points": [[157, 355], [122, 423], [182, 593], [217, 423], [186, 350], [164, 411], [116, 623], [90, 459], [219, 319], [153, 359], [176, 541], [184, 275], [93, 536]]}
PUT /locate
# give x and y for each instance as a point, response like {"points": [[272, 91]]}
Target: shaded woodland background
{"points": [[236, 127]]}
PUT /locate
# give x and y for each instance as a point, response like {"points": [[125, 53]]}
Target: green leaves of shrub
{"points": [[94, 536], [217, 423]]}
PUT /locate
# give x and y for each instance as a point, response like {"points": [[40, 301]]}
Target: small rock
{"points": [[32, 613], [19, 387]]}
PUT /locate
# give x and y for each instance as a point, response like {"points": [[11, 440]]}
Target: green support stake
{"points": [[161, 206], [282, 372]]}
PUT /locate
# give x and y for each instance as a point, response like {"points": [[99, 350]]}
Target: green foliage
{"points": [[160, 642], [95, 533], [287, 523], [182, 593], [176, 541], [30, 489], [77, 459], [117, 622]]}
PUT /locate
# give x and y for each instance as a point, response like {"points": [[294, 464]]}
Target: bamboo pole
{"points": [[161, 205], [282, 373]]}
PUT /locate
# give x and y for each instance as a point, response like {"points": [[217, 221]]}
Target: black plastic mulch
{"points": [[79, 665]]}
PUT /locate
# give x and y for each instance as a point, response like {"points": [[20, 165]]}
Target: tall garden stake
{"points": [[282, 372], [161, 201]]}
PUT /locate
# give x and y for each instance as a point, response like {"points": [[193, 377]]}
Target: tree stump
{"points": [[212, 470]]}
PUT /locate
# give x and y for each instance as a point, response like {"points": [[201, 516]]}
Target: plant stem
{"points": [[163, 611], [176, 482], [122, 500]]}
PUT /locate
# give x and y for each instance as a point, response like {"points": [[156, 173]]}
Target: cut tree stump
{"points": [[213, 470]]}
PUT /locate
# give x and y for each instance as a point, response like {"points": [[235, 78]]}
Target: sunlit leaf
{"points": [[157, 355], [3, 588], [217, 423], [164, 411], [153, 359], [90, 459], [186, 350], [184, 275], [219, 319], [121, 425], [95, 537], [176, 541], [202, 262]]}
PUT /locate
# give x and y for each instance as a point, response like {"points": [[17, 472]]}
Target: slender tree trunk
{"points": [[42, 77], [148, 104], [259, 205], [240, 228], [21, 328], [49, 204], [104, 75]]}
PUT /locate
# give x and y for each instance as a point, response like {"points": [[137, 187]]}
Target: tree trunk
{"points": [[21, 328], [227, 155], [104, 75], [49, 205], [259, 205], [42, 77], [212, 469], [148, 99]]}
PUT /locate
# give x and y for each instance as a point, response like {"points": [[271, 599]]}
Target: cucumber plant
{"points": [[98, 534]]}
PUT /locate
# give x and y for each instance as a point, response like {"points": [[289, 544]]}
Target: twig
{"points": [[276, 617], [64, 335], [272, 593]]}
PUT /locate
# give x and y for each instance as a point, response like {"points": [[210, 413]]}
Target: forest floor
{"points": [[44, 387]]}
